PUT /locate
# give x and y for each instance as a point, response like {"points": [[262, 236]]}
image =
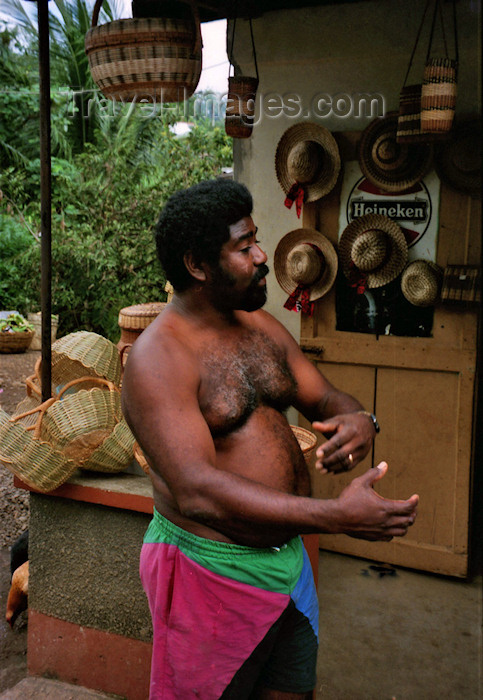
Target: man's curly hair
{"points": [[197, 219]]}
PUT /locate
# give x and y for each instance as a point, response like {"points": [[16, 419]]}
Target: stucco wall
{"points": [[343, 48], [84, 563]]}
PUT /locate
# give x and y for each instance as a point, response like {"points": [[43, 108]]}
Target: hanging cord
{"points": [[456, 52], [253, 48], [437, 6], [230, 57], [418, 36]]}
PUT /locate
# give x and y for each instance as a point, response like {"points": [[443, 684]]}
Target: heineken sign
{"points": [[415, 210], [397, 210]]}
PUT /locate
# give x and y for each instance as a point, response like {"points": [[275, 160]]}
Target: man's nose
{"points": [[259, 257]]}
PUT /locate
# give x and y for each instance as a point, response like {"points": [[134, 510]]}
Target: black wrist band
{"points": [[373, 419]]}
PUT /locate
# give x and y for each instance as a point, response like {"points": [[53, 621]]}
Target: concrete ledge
{"points": [[87, 657], [124, 490]]}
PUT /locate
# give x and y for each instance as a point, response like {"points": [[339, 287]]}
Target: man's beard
{"points": [[224, 294]]}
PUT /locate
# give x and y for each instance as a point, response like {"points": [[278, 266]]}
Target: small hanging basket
{"points": [[438, 96], [145, 59], [439, 90], [242, 93], [426, 109]]}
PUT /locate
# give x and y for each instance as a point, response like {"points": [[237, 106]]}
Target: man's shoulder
{"points": [[265, 322], [162, 343]]}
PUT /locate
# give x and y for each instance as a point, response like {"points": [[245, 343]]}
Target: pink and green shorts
{"points": [[227, 619]]}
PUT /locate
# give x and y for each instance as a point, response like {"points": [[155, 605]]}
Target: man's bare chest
{"points": [[240, 373]]}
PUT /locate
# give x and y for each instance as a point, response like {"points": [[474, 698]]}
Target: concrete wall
{"points": [[84, 563], [347, 48]]}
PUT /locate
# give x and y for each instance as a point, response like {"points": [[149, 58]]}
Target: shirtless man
{"points": [[228, 581]]}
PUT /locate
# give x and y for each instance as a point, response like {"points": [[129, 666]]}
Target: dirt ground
{"points": [[14, 512]]}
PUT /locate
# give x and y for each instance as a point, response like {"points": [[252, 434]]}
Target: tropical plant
{"points": [[105, 203]]}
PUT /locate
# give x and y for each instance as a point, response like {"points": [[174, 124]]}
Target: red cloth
{"points": [[303, 304], [295, 194], [357, 279]]}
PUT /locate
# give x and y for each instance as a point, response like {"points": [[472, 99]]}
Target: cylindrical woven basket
{"points": [[409, 118], [15, 342], [306, 439], [438, 95], [34, 461], [133, 320], [84, 354], [154, 59], [240, 106]]}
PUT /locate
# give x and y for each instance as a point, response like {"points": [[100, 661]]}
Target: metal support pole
{"points": [[45, 197]]}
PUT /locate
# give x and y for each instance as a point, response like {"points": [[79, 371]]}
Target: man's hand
{"points": [[368, 516], [350, 438]]}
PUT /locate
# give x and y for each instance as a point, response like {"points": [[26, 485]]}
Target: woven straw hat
{"points": [[307, 154], [374, 248], [458, 160], [421, 282], [389, 165], [305, 257]]}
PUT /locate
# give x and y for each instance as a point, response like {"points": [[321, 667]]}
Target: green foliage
{"points": [[105, 203], [113, 167]]}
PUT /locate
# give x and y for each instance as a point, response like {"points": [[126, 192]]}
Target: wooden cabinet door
{"points": [[422, 391]]}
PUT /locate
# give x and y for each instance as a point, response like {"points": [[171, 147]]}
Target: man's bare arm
{"points": [[331, 411], [160, 400]]}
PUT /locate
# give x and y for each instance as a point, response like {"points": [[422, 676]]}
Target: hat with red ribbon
{"points": [[307, 163], [305, 264], [372, 251]]}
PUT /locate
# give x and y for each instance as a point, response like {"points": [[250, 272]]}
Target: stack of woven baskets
{"points": [[81, 426]]}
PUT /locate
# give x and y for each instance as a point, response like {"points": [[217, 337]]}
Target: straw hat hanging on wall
{"points": [[307, 163], [389, 165], [372, 251], [305, 264], [421, 282]]}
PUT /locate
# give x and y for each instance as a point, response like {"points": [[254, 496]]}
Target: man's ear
{"points": [[195, 268]]}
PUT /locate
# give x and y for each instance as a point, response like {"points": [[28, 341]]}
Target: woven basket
{"points": [[133, 320], [15, 342], [438, 95], [409, 118], [240, 107], [306, 439], [79, 423], [116, 452], [85, 354], [36, 462], [154, 59]]}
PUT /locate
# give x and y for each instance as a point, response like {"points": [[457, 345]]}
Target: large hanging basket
{"points": [[145, 59]]}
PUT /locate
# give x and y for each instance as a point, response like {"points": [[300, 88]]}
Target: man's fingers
{"points": [[327, 426]]}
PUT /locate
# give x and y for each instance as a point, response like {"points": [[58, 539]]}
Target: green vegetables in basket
{"points": [[15, 323]]}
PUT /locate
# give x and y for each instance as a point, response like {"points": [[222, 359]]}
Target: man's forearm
{"points": [[335, 403]]}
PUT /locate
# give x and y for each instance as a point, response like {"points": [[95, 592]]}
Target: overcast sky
{"points": [[214, 75]]}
